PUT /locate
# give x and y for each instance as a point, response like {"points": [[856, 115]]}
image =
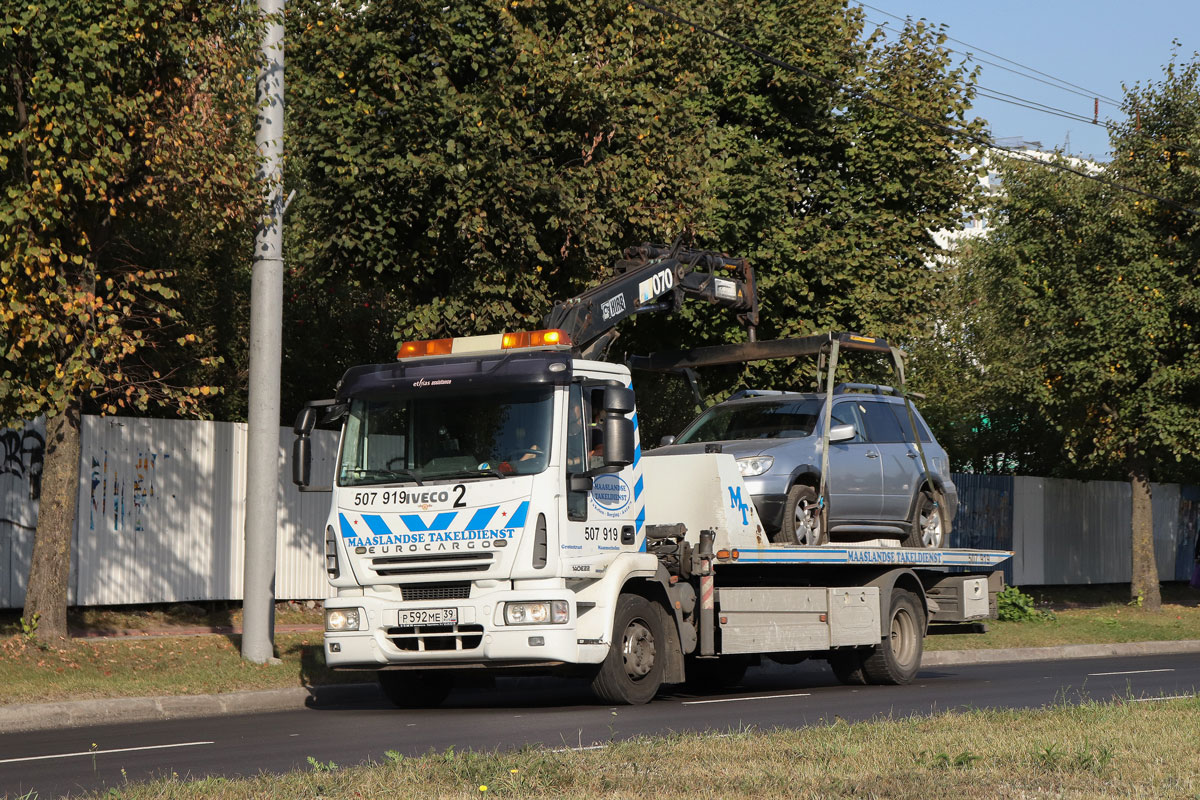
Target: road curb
{"points": [[77, 713], [946, 658]]}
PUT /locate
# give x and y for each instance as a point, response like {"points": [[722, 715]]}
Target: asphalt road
{"points": [[550, 712]]}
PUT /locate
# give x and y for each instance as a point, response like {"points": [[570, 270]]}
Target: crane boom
{"points": [[655, 278]]}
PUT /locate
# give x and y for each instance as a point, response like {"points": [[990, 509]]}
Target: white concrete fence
{"points": [[161, 515]]}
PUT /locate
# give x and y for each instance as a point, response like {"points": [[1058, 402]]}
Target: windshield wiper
{"points": [[385, 474], [468, 473]]}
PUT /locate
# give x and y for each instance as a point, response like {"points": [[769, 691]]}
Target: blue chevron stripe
{"points": [[417, 525], [481, 518], [377, 525], [518, 518], [344, 524]]}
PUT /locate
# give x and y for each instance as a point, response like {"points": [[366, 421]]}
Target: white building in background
{"points": [[977, 223]]}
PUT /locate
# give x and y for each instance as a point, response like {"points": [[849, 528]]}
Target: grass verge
{"points": [[1143, 749]]}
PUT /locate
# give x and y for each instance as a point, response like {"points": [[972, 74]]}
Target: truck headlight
{"points": [[342, 619], [754, 465], [543, 612]]}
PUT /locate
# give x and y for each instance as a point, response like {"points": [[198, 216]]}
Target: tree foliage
{"points": [[1086, 299], [463, 166], [125, 159]]}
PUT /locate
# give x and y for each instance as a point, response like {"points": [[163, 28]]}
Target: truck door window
{"points": [[577, 457]]}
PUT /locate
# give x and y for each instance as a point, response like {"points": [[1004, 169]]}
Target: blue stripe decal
{"points": [[377, 525], [481, 519], [641, 520], [347, 531], [637, 488], [416, 524], [637, 453], [518, 518], [635, 421]]}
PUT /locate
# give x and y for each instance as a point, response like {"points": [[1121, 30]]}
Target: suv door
{"points": [[855, 480], [898, 460]]}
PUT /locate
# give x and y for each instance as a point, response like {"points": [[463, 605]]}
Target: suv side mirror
{"points": [[842, 433], [666, 440]]}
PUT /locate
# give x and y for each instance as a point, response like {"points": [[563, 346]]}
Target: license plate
{"points": [[428, 616]]}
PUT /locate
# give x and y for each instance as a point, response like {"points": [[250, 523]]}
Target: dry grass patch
{"points": [[1112, 750], [83, 668]]}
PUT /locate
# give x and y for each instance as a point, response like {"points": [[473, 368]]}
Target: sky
{"points": [[1097, 45]]}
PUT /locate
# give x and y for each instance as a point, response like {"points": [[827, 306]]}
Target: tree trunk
{"points": [[50, 568], [1145, 569]]}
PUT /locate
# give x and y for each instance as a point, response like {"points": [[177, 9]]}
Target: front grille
{"points": [[436, 591], [429, 638], [388, 566]]}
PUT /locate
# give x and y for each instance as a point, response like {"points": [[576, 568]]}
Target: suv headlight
{"points": [[544, 612], [755, 465], [342, 619]]}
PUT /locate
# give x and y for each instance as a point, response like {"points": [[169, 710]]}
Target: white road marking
{"points": [[1157, 699], [740, 699], [103, 752], [1129, 672]]}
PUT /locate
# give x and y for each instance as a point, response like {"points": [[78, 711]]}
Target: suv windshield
{"points": [[784, 419], [415, 439]]}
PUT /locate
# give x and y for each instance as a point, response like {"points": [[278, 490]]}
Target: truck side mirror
{"points": [[306, 420], [618, 399], [618, 440], [302, 460]]}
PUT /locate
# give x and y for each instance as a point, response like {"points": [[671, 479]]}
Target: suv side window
{"points": [[882, 424], [906, 428], [846, 413]]}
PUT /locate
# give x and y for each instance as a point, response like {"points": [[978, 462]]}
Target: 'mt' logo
{"points": [[737, 504]]}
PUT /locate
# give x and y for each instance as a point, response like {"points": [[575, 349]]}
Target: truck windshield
{"points": [[787, 419], [417, 439]]}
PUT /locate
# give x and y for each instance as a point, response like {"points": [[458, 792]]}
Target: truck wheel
{"points": [[927, 529], [897, 658], [847, 666], [802, 518], [706, 674], [633, 669], [415, 689]]}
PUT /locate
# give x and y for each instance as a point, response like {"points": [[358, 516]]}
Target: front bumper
{"points": [[479, 637]]}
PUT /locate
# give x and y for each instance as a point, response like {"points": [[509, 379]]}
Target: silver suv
{"points": [[876, 488]]}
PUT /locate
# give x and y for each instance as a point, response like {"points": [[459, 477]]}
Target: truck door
{"points": [[605, 520]]}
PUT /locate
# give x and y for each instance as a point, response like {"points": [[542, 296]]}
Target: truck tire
{"points": [[633, 670], [928, 530], [801, 519], [708, 674], [897, 658], [415, 689]]}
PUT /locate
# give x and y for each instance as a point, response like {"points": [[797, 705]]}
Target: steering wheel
{"points": [[393, 460], [527, 451]]}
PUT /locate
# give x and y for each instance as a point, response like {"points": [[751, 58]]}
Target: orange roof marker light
{"points": [[483, 344]]}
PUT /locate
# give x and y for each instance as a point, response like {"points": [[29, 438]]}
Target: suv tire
{"points": [[802, 522]]}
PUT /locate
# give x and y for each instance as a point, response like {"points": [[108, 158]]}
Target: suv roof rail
{"points": [[874, 388], [869, 388], [743, 393]]}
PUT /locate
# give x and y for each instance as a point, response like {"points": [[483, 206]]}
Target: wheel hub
{"points": [[638, 650]]}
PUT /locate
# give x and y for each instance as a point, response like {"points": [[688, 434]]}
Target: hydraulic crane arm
{"points": [[655, 278]]}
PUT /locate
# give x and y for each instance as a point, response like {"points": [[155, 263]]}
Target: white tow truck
{"points": [[493, 512]]}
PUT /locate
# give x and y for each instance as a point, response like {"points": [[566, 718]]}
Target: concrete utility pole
{"points": [[266, 350]]}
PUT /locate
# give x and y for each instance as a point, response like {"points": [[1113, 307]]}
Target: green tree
{"points": [[1088, 300], [461, 167], [125, 158]]}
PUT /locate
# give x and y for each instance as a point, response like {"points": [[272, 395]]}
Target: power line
{"points": [[938, 125], [1085, 92]]}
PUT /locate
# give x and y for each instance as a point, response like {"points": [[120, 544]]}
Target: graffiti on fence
{"points": [[23, 452], [108, 487]]}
